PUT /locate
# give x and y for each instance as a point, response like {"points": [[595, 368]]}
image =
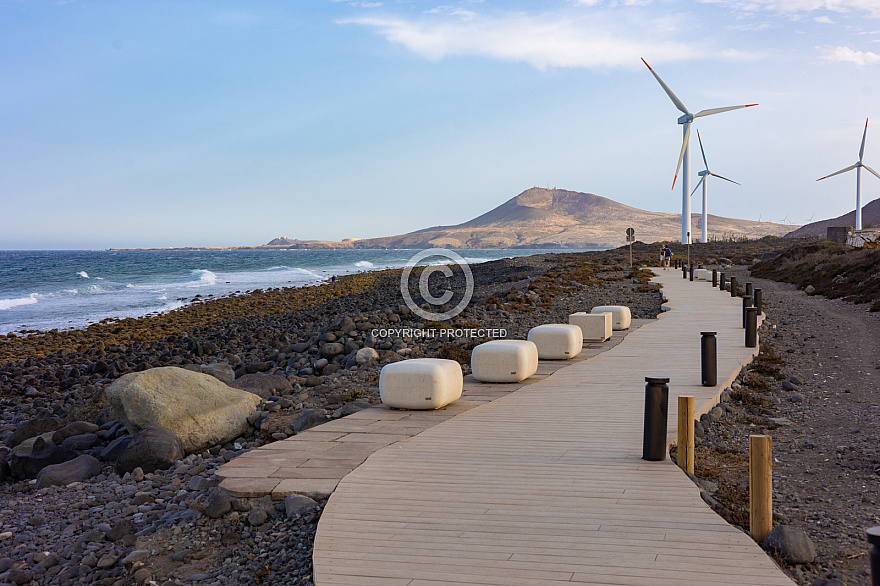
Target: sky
{"points": [[161, 123]]}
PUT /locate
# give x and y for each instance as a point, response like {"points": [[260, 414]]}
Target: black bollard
{"points": [[874, 554], [656, 410], [747, 302], [749, 288], [714, 277], [684, 271], [751, 327], [692, 272], [734, 287], [709, 359], [722, 282], [759, 301]]}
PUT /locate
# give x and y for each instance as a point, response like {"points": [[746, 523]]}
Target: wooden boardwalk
{"points": [[546, 484]]}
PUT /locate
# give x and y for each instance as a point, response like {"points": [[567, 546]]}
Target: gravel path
{"points": [[826, 473]]}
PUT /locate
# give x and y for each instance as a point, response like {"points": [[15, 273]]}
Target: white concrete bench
{"points": [[620, 315], [595, 327], [699, 274], [420, 383], [504, 361], [557, 341]]}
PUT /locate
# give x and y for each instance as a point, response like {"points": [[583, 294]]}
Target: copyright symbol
{"points": [[425, 292]]}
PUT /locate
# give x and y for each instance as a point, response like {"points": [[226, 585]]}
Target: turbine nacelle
{"points": [[686, 118]]}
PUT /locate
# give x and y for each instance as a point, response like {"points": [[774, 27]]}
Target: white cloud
{"points": [[541, 41], [847, 55], [824, 20], [872, 7]]}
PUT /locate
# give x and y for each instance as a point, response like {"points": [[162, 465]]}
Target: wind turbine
{"points": [[684, 156], [858, 167], [704, 176]]}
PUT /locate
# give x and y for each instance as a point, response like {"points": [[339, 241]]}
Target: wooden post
{"points": [[760, 486], [685, 451]]}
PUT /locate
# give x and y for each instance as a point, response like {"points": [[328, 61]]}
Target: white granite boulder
{"points": [[198, 408]]}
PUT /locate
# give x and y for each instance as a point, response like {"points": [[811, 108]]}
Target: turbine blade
{"points": [[711, 111], [850, 168], [684, 145], [872, 171], [703, 178], [725, 178], [701, 149], [672, 96], [862, 150]]}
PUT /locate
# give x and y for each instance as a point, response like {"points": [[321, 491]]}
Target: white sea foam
{"points": [[364, 263], [129, 286], [10, 303], [83, 274], [205, 278]]}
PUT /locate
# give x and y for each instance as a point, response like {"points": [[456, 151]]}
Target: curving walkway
{"points": [[546, 485]]}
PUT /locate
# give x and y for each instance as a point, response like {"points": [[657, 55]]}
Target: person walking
{"points": [[665, 257]]}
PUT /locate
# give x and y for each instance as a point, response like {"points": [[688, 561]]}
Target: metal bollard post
{"points": [[751, 327], [684, 271], [734, 287], [714, 277], [709, 359], [722, 282], [656, 410], [874, 539], [759, 301], [747, 302], [748, 288], [692, 272]]}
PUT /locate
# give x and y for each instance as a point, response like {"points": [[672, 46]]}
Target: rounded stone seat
{"points": [[420, 383], [699, 274], [595, 327], [620, 315], [504, 361], [557, 341]]}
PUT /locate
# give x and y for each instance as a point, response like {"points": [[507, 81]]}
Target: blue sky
{"points": [[229, 123]]}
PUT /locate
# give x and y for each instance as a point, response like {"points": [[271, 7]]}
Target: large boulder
{"points": [[198, 408], [263, 385], [154, 448], [76, 470]]}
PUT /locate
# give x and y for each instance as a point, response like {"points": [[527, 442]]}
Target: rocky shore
{"points": [[91, 497]]}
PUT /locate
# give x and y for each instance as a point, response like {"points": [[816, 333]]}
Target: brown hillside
{"points": [[870, 219]]}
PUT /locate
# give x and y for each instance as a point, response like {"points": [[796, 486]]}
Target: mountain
{"points": [[870, 219], [555, 218]]}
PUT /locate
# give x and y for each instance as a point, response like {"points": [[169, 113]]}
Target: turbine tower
{"points": [[684, 156], [858, 167], [704, 179]]}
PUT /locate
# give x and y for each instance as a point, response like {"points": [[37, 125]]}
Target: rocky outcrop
{"points": [[198, 408]]}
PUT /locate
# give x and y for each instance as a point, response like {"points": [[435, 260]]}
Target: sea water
{"points": [[44, 290]]}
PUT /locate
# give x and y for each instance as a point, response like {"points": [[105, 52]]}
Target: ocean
{"points": [[44, 290]]}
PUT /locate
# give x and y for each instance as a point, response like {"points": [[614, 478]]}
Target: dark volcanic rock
{"points": [[26, 466], [76, 470], [264, 385], [309, 419], [154, 448], [220, 371], [81, 442], [115, 448], [792, 543], [73, 429], [33, 428]]}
